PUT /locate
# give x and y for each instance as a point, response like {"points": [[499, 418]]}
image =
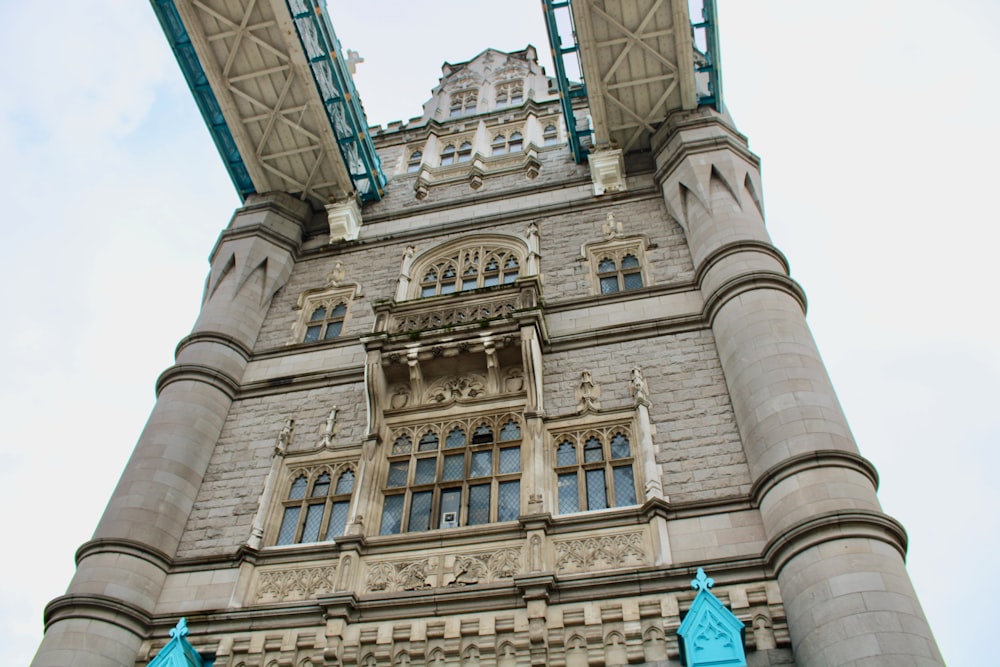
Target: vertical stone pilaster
{"points": [[102, 618], [838, 558]]}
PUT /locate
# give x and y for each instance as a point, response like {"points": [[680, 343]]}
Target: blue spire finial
{"points": [[702, 582], [181, 630]]}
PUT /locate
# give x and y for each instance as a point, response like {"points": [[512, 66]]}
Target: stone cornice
{"points": [[832, 526], [824, 458], [198, 373], [214, 337], [749, 281], [105, 545], [98, 608], [736, 247]]}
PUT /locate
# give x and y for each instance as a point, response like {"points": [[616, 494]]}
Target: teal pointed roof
{"points": [[711, 636], [178, 652]]}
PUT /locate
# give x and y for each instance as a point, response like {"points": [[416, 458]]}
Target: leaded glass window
{"points": [[619, 271], [594, 470], [550, 137], [510, 93], [469, 269], [469, 481], [325, 322], [316, 507], [501, 145], [413, 164], [463, 103]]}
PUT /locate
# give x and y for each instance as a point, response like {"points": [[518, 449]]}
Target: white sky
{"points": [[876, 123]]}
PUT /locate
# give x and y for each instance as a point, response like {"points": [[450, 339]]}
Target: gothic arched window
{"points": [[325, 323], [463, 103], [550, 136], [594, 470], [485, 265], [469, 481], [413, 164], [315, 508], [510, 93]]}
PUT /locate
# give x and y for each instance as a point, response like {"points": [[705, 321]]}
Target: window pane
{"points": [[451, 500], [597, 492], [398, 472], [483, 435], [289, 523], [468, 284], [346, 482], [314, 515], [425, 471], [454, 467], [428, 290], [630, 262], [632, 280], [510, 431], [403, 445], [322, 486], [510, 460], [338, 520], [428, 443], [420, 511], [318, 314], [566, 454], [392, 515], [510, 277], [298, 491], [456, 438], [606, 265], [447, 288], [332, 330], [509, 501], [479, 504], [312, 333], [482, 464], [624, 486], [339, 311], [491, 280], [619, 447], [592, 450], [609, 285], [569, 494]]}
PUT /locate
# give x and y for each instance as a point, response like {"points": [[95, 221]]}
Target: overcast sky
{"points": [[877, 126]]}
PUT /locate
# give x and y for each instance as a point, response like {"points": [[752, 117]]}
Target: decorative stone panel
{"points": [[294, 584], [606, 552], [443, 570]]}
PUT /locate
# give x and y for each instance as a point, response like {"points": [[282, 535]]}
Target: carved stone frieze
{"points": [[443, 571], [452, 316], [295, 584], [601, 553], [454, 388]]}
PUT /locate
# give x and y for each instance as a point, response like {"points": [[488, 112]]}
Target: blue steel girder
{"points": [[340, 98], [204, 97], [568, 90], [713, 62]]}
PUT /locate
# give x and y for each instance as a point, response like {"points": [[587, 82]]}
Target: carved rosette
{"points": [[607, 552]]}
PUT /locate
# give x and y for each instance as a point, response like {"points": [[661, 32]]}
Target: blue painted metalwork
{"points": [[710, 635], [568, 90], [713, 64], [178, 652], [340, 99], [194, 74]]}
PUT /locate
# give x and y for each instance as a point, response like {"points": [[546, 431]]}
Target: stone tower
{"points": [[456, 398]]}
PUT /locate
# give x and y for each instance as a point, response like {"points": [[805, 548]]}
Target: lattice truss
{"points": [[251, 54], [638, 66]]}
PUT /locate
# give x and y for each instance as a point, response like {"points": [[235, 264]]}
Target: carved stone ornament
{"points": [[456, 388], [638, 386], [400, 397], [295, 584], [601, 553], [443, 571], [587, 394], [285, 437]]}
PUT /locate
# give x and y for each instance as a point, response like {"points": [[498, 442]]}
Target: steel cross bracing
{"points": [[639, 64], [260, 80]]}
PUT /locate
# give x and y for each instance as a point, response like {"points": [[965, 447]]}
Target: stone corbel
{"points": [[344, 218], [607, 171]]}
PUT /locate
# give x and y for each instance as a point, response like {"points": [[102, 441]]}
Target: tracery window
{"points": [[502, 145], [594, 470], [510, 93], [470, 268], [617, 265], [316, 506], [450, 156], [458, 473], [616, 274], [325, 322], [414, 162], [463, 103]]}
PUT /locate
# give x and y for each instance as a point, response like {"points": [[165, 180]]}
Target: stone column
{"points": [[104, 616], [838, 558]]}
